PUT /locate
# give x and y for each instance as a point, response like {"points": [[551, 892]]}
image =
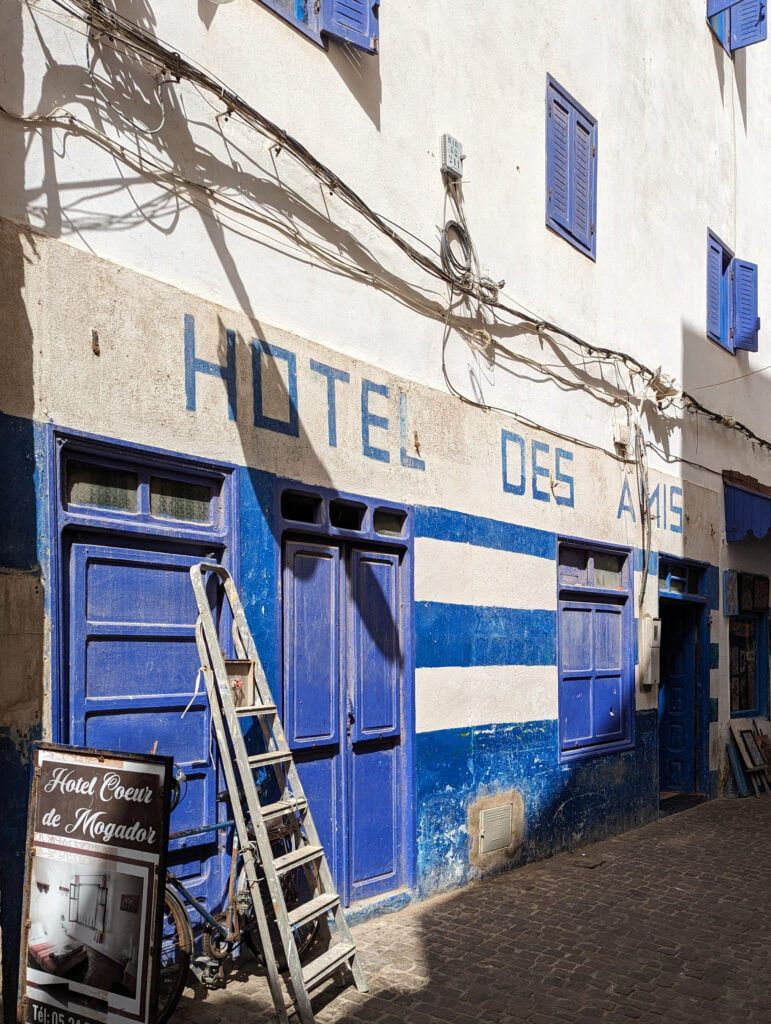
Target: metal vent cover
{"points": [[495, 828]]}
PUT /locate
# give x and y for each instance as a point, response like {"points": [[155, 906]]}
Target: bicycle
{"points": [[222, 932]]}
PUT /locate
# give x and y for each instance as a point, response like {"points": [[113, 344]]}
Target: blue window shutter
{"points": [[748, 23], [717, 6], [746, 322], [355, 21], [558, 160], [714, 289], [583, 182]]}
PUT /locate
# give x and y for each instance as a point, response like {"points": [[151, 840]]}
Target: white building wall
{"points": [[125, 232]]}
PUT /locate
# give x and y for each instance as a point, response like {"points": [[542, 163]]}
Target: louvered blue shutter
{"points": [[582, 219], [714, 289], [355, 21], [748, 23], [746, 322], [717, 6], [557, 159]]}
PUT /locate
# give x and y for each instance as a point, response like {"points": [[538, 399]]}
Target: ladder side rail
{"points": [[242, 831]]}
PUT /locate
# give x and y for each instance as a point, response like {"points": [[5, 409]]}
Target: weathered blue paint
{"points": [[331, 375], [369, 419], [466, 635], [664, 506], [19, 440], [194, 365], [408, 461], [562, 455], [290, 426], [565, 805], [443, 524]]}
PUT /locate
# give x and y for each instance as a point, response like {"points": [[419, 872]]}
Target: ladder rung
{"points": [[253, 710], [272, 757], [272, 812], [313, 908], [296, 858], [320, 968]]}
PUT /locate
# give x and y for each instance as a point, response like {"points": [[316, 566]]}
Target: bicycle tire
{"points": [[176, 949], [292, 884]]}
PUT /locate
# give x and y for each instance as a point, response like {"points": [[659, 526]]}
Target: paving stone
{"points": [[673, 925]]}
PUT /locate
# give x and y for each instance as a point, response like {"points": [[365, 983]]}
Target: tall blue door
{"points": [[133, 666], [344, 706], [677, 698]]}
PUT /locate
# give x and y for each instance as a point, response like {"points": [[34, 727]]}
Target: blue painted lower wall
{"points": [[566, 805]]}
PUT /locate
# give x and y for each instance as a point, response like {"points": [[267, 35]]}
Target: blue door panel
{"points": [[677, 700], [576, 643], [375, 637], [133, 675], [608, 713], [322, 783], [607, 639], [575, 703], [311, 581], [374, 851]]}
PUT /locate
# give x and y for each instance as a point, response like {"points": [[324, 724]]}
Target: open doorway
{"points": [[683, 706]]}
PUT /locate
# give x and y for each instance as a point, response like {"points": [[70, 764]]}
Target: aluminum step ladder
{"points": [[237, 689]]}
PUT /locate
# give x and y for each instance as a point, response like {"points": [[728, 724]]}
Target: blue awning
{"points": [[746, 512]]}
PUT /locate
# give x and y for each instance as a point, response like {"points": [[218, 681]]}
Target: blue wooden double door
{"points": [[345, 706]]}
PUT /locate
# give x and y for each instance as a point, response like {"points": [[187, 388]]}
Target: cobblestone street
{"points": [[671, 922]]}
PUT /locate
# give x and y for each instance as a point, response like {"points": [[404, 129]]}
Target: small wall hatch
{"points": [[495, 828]]}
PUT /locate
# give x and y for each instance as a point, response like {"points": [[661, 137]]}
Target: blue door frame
{"points": [[127, 661], [344, 694], [683, 703]]}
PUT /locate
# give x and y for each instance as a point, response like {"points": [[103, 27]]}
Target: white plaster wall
{"points": [[682, 139]]}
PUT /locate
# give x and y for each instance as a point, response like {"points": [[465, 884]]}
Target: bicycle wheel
{"points": [[296, 891], [176, 948]]}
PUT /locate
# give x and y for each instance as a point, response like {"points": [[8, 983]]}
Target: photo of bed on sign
{"points": [[86, 929]]}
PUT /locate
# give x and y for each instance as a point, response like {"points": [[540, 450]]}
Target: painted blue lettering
{"points": [[539, 446], [655, 499], [290, 426], [409, 461], [332, 375], [369, 419], [562, 478], [508, 438], [676, 509], [625, 502], [194, 365]]}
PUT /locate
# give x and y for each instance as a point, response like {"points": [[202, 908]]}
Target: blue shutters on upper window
{"points": [[571, 169], [738, 23], [355, 21], [732, 298], [352, 21], [746, 322]]}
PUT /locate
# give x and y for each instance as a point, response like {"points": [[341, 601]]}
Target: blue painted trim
{"points": [[469, 635], [443, 524], [292, 425], [332, 374]]}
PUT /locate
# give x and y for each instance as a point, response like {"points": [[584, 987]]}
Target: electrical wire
{"points": [[482, 290]]}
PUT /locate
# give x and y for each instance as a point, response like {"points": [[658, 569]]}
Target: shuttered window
{"points": [[350, 21], [732, 298], [571, 169], [596, 670], [738, 23]]}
